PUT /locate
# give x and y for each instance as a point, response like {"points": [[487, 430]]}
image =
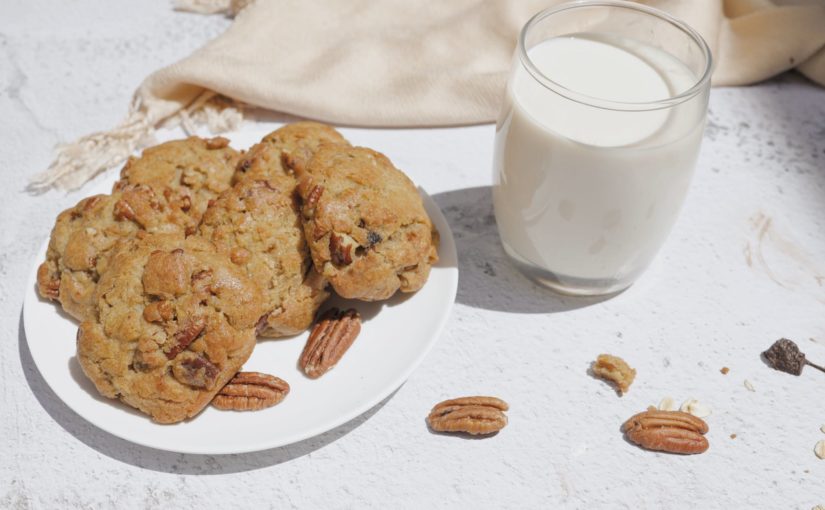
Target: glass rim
{"points": [[606, 103]]}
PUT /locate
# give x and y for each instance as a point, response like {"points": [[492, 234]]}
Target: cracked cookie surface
{"points": [[175, 321], [286, 150], [165, 190], [257, 223], [365, 223], [84, 236], [187, 173]]}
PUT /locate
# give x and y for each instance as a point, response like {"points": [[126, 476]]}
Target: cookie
{"points": [[285, 150], [366, 226], [175, 321], [84, 235], [166, 189], [186, 173], [257, 223]]}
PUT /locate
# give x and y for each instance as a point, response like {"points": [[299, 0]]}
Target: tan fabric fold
{"points": [[406, 63]]}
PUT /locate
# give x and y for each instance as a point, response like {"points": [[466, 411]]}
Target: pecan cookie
{"points": [[366, 226], [84, 235], [175, 322], [257, 223], [186, 173], [285, 150], [165, 190]]}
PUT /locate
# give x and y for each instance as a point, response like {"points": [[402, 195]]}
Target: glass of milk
{"points": [[596, 142]]}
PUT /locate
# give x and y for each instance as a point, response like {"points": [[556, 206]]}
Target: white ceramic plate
{"points": [[395, 337]]}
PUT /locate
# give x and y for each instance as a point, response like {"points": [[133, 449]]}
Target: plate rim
{"points": [[452, 272]]}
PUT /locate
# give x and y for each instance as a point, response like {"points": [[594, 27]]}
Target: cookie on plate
{"points": [[84, 235], [366, 226], [257, 223], [175, 321], [186, 173], [285, 150], [165, 190]]}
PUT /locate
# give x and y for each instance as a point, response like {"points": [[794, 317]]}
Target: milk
{"points": [[585, 196]]}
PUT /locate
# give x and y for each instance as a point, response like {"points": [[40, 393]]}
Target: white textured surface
{"points": [[67, 68]]}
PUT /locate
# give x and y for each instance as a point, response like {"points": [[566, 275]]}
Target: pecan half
{"points": [[197, 372], [158, 311], [473, 415], [667, 431], [187, 334], [251, 391], [330, 338], [341, 247]]}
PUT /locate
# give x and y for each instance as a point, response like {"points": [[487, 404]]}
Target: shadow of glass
{"points": [[160, 460], [487, 277]]}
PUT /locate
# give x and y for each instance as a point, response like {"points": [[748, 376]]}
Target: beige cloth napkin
{"points": [[402, 63]]}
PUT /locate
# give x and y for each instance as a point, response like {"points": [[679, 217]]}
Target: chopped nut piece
{"points": [[330, 338], [749, 386], [733, 436], [473, 415], [251, 391], [197, 372], [819, 449], [614, 369], [189, 331], [341, 247], [667, 404], [696, 408], [667, 431], [724, 370], [217, 142]]}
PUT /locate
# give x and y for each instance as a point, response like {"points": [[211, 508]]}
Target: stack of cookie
{"points": [[200, 249]]}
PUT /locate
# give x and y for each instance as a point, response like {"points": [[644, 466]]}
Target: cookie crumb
{"points": [[614, 369], [749, 386], [819, 449], [724, 370], [733, 436]]}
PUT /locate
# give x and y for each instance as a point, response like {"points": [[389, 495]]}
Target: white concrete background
{"points": [[68, 68]]}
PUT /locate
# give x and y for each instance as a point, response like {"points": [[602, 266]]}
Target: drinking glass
{"points": [[596, 142]]}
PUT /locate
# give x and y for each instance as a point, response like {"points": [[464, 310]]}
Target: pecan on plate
{"points": [[473, 415], [667, 431], [329, 339], [251, 391]]}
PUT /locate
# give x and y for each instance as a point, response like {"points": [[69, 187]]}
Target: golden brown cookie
{"points": [[366, 226], [186, 173], [257, 223], [285, 150], [165, 190], [84, 235], [175, 322]]}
